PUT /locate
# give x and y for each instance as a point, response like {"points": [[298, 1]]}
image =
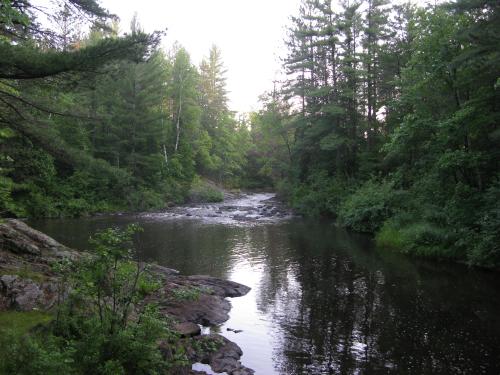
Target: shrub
{"points": [[368, 207], [34, 355], [321, 195], [103, 327], [482, 241]]}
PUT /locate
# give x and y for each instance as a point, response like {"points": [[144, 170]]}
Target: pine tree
{"points": [[184, 114]]}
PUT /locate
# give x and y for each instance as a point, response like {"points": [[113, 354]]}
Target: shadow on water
{"points": [[324, 301]]}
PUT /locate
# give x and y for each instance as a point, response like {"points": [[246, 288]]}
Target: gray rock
{"points": [[207, 310], [19, 238], [25, 294], [225, 357], [16, 242], [163, 271], [187, 329], [224, 288]]}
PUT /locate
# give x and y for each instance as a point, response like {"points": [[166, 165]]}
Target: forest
{"points": [[387, 121], [381, 137]]}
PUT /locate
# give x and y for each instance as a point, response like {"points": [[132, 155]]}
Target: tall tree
{"points": [[184, 113], [220, 159]]}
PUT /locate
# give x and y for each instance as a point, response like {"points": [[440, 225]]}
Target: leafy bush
{"points": [[34, 355], [482, 241], [7, 204], [145, 199], [368, 207], [321, 195]]}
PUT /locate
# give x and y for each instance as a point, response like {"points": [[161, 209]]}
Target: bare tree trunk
{"points": [[165, 154], [178, 124]]}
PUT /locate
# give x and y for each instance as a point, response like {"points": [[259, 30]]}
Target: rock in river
{"points": [[223, 356], [209, 307], [187, 329]]}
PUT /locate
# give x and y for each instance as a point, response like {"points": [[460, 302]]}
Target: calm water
{"points": [[324, 301]]}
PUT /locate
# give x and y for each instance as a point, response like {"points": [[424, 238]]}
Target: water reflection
{"points": [[324, 301]]}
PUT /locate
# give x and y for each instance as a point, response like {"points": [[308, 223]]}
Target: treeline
{"points": [[91, 121], [389, 122]]}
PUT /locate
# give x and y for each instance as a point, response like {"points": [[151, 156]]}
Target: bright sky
{"points": [[250, 34]]}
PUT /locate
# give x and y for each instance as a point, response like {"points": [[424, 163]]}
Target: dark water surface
{"points": [[324, 301]]}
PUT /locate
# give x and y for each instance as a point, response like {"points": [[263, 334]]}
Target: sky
{"points": [[250, 35]]}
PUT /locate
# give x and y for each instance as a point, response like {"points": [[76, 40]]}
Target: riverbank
{"points": [[28, 282], [314, 283]]}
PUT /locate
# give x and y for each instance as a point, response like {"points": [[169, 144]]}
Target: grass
{"points": [[391, 238], [420, 238], [20, 322], [190, 293]]}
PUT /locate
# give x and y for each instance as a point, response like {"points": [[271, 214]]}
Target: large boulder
{"points": [[19, 238], [187, 329], [25, 294], [208, 308]]}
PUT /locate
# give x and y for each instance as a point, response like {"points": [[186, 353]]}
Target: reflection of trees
{"points": [[189, 246], [269, 246], [340, 308]]}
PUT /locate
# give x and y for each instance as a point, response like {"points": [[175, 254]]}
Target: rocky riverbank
{"points": [[252, 208], [27, 282]]}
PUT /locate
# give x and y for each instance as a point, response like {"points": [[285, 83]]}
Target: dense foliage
{"points": [[389, 121], [93, 121]]}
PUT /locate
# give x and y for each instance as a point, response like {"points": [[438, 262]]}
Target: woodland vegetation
{"points": [[387, 122]]}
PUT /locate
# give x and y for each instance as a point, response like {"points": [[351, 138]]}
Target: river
{"points": [[323, 301]]}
